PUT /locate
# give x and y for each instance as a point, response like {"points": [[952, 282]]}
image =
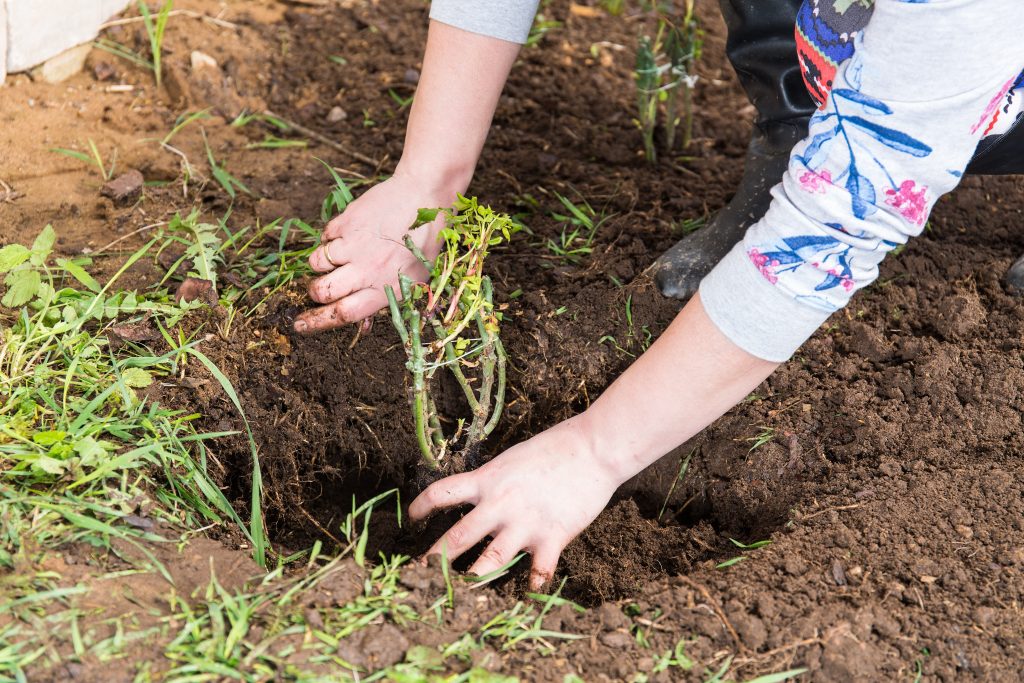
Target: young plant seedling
{"points": [[683, 44], [450, 322], [155, 27], [648, 81]]}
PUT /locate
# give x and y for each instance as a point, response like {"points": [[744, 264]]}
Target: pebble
{"points": [[411, 76], [336, 114]]}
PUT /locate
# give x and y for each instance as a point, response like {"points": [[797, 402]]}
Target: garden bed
{"points": [[884, 462]]}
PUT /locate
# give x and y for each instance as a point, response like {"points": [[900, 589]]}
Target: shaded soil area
{"points": [[887, 463]]}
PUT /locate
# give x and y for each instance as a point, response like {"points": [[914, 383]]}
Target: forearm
{"points": [[463, 75], [688, 378]]}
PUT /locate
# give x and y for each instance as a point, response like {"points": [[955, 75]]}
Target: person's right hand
{"points": [[362, 250]]}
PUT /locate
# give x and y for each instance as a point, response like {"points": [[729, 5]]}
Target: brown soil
{"points": [[892, 490]]}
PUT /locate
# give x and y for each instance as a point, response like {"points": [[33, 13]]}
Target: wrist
{"points": [[599, 451], [437, 179]]}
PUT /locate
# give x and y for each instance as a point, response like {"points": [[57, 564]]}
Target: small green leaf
{"points": [[136, 378], [90, 450], [49, 438], [729, 563], [49, 465], [76, 271], [13, 255], [43, 245], [424, 216], [22, 285]]}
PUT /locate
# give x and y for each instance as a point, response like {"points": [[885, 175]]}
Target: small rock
{"points": [[838, 573], [63, 66], [193, 288], [412, 76], [104, 71], [124, 189], [336, 114]]}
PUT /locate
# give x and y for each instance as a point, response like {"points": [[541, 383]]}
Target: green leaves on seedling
{"points": [[227, 181], [24, 267], [155, 32], [456, 309], [665, 72], [92, 159]]}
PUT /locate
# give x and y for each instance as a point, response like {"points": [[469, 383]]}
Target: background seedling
{"points": [[221, 174], [454, 306], [92, 159], [665, 72], [648, 82], [683, 44], [577, 237], [155, 27]]}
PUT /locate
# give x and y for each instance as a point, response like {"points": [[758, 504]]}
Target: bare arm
{"points": [[362, 249]]}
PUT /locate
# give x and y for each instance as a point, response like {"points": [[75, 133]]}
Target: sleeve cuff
{"points": [[510, 21], [753, 313]]}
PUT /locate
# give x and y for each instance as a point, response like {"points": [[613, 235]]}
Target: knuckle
{"points": [[495, 554], [456, 536]]}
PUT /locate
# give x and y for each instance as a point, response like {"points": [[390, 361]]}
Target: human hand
{"points": [[362, 250], [536, 496]]}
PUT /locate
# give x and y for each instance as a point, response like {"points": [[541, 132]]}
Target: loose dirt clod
{"points": [[124, 189]]}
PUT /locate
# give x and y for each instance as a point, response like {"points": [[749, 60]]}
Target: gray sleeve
{"points": [[506, 20]]}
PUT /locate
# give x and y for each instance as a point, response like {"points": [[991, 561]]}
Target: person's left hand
{"points": [[536, 496]]}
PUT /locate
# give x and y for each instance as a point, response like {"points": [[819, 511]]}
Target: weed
{"points": [[92, 159], [765, 436], [227, 181], [155, 28], [688, 225], [541, 27], [457, 298], [580, 227], [684, 467], [402, 102], [274, 142], [183, 121], [77, 441], [338, 198]]}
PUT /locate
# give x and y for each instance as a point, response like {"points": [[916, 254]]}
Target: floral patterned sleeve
{"points": [[928, 80]]}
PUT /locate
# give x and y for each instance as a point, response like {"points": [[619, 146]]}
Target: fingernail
{"points": [[301, 325]]}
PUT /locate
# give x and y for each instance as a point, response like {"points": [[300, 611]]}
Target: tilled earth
{"points": [[887, 471]]}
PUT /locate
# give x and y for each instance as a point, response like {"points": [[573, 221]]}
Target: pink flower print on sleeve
{"points": [[840, 277], [913, 206], [815, 181], [764, 264]]}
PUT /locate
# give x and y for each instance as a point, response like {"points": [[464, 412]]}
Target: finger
{"points": [[337, 284], [497, 554], [466, 533], [545, 560], [328, 256], [336, 227], [446, 493], [352, 308]]}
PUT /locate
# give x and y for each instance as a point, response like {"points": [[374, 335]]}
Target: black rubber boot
{"points": [[762, 49]]}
